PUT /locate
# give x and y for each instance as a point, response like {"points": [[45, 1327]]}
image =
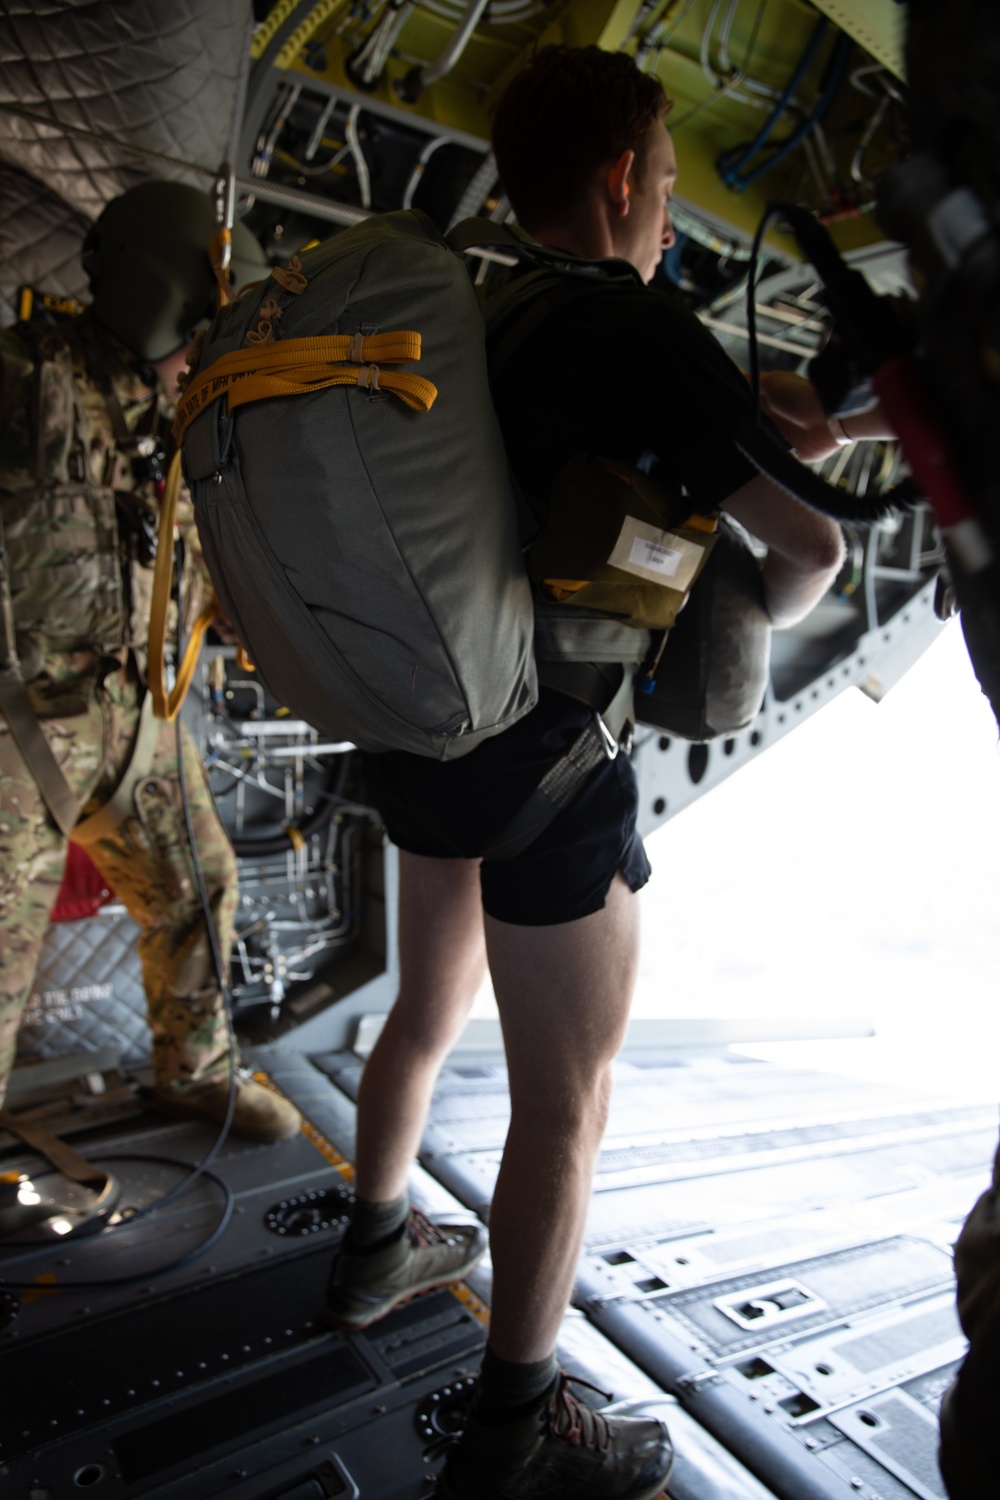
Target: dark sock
{"points": [[374, 1225], [508, 1390]]}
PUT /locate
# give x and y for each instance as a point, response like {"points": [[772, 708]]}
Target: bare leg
{"points": [[564, 994], [442, 956]]}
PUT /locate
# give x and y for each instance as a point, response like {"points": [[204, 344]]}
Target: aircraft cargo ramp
{"points": [[767, 1261]]}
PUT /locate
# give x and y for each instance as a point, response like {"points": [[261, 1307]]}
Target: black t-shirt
{"points": [[625, 372]]}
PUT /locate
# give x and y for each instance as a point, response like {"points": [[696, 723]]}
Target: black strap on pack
{"points": [[562, 781]]}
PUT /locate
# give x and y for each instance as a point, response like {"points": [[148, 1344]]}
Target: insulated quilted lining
{"points": [[161, 73], [87, 994], [40, 237]]}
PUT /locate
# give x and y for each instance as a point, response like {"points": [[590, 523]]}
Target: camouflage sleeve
{"points": [[17, 367]]}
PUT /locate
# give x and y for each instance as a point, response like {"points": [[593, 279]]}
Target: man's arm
{"points": [[794, 406], [805, 551]]}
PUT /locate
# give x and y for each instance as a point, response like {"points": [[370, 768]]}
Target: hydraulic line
{"points": [[729, 170], [250, 848], [724, 78], [834, 77], [353, 140], [857, 162], [658, 36], [367, 63], [502, 12], [412, 86], [732, 84], [434, 144], [722, 51]]}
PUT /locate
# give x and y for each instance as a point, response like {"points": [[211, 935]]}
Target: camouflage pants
{"points": [[146, 860]]}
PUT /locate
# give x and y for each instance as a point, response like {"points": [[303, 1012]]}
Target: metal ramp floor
{"points": [[771, 1245], [766, 1260]]}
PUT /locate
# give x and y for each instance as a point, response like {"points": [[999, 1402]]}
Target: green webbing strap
{"points": [[561, 782], [36, 752], [57, 1153], [121, 803], [57, 794]]}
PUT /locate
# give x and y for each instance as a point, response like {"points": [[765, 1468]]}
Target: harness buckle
{"points": [[608, 742]]}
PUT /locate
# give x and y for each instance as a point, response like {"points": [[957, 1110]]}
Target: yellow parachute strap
{"points": [[220, 250], [292, 367], [562, 589], [167, 704]]}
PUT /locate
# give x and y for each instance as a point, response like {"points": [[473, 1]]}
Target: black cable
{"points": [[781, 466], [753, 439], [255, 848], [771, 212], [229, 1200]]}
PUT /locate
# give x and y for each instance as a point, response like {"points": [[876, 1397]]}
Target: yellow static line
{"points": [[43, 1290], [471, 1303]]}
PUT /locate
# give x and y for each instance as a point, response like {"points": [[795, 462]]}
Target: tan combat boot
{"points": [[259, 1114]]}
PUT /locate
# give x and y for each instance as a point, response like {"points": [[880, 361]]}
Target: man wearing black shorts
{"points": [[588, 164]]}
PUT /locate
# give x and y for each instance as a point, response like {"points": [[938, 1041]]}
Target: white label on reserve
{"points": [[658, 556], [654, 555]]}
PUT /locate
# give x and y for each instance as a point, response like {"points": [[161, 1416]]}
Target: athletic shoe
{"points": [[259, 1114], [364, 1286], [562, 1450]]}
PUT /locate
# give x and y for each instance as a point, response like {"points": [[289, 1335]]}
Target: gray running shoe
{"points": [[363, 1288], [561, 1451]]}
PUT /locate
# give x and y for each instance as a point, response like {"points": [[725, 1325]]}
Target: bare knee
{"points": [[424, 1030], [567, 1109]]}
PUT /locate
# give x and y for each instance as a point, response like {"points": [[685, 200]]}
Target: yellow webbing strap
{"points": [[292, 367], [167, 704], [220, 249]]}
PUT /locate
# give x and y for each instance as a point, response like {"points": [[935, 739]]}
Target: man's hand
{"points": [[793, 404]]}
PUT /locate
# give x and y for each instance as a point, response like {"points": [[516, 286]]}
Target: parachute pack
{"points": [[359, 523], [354, 500]]}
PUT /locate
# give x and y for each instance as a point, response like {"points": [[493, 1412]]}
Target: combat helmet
{"points": [[147, 261]]}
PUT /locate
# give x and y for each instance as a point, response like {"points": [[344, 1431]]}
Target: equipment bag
{"points": [[358, 521], [710, 674]]}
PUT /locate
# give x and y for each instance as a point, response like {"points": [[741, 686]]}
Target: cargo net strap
{"points": [[293, 367]]}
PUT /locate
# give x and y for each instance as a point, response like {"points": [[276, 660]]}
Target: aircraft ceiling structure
{"points": [[728, 65]]}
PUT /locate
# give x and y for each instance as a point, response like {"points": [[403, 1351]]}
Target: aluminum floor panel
{"points": [[216, 1379], [772, 1246]]}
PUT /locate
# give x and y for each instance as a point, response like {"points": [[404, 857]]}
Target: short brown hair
{"points": [[567, 114]]}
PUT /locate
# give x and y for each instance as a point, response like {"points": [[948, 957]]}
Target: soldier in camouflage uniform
{"points": [[84, 407]]}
